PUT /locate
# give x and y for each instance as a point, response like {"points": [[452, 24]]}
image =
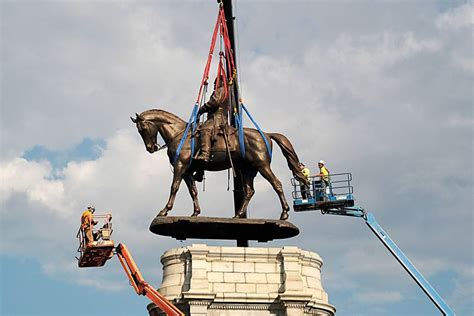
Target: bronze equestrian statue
{"points": [[256, 159]]}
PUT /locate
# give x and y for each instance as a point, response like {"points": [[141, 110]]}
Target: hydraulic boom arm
{"points": [[141, 286], [398, 254]]}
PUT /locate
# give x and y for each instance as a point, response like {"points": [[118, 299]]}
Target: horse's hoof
{"points": [[284, 216], [163, 213], [195, 214], [239, 215]]}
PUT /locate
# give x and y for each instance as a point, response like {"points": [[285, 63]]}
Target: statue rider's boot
{"points": [[205, 146]]}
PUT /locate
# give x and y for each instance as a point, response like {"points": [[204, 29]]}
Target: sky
{"points": [[381, 89]]}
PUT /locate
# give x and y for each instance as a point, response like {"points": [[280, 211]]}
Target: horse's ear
{"points": [[139, 117]]}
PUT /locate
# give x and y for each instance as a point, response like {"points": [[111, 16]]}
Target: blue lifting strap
{"points": [[192, 122], [239, 120], [240, 129]]}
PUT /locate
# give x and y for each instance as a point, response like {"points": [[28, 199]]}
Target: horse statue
{"points": [[256, 158]]}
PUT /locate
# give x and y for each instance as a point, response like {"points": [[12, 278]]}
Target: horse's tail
{"points": [[290, 155]]}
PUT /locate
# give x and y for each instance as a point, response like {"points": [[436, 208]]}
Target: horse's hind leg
{"points": [[249, 191], [189, 180], [177, 177], [267, 173]]}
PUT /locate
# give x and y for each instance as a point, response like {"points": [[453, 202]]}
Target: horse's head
{"points": [[148, 131]]}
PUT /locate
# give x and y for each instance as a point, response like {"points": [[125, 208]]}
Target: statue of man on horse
{"points": [[256, 160], [217, 109]]}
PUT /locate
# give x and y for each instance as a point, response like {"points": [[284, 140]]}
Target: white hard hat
{"points": [[321, 162]]}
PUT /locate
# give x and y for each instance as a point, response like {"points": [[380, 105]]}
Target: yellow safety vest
{"points": [[86, 218], [306, 172], [325, 173]]}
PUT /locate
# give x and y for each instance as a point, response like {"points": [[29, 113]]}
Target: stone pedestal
{"points": [[211, 281]]}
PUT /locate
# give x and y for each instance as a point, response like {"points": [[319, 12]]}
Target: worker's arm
{"points": [[91, 220]]}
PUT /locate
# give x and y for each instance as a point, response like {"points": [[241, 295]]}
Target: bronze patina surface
{"points": [[185, 227], [256, 160]]}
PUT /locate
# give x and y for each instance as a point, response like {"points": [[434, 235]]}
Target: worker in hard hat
{"points": [[87, 224], [305, 189], [324, 176]]}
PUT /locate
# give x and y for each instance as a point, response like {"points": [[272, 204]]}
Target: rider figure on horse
{"points": [[217, 109]]}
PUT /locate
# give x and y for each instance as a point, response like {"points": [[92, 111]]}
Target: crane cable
{"points": [[225, 57], [219, 28]]}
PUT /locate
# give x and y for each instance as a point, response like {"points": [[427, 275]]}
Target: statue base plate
{"points": [[184, 227]]}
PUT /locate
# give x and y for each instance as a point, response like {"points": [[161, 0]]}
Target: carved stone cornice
{"points": [[268, 280]]}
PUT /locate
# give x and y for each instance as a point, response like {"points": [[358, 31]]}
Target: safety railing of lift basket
{"points": [[80, 235], [105, 219], [340, 185]]}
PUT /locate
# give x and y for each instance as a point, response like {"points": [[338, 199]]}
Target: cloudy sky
{"points": [[382, 89]]}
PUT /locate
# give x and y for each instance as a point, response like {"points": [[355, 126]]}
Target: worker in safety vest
{"points": [[305, 189], [87, 224], [324, 175], [217, 116]]}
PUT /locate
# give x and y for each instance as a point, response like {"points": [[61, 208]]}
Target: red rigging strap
{"points": [[220, 27], [227, 43], [221, 74], [205, 75], [228, 48]]}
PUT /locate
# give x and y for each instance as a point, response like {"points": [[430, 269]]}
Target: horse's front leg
{"points": [[189, 180], [177, 177]]}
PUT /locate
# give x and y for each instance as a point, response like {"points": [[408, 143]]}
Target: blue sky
{"points": [[88, 149], [380, 89]]}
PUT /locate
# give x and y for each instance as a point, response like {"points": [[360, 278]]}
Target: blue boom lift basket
{"points": [[319, 196], [335, 197]]}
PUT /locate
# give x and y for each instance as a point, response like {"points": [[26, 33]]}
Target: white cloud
{"points": [[382, 90], [88, 69], [125, 181], [111, 182], [36, 180], [458, 18], [379, 50], [455, 27]]}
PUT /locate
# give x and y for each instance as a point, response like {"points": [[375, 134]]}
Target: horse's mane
{"points": [[168, 116]]}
